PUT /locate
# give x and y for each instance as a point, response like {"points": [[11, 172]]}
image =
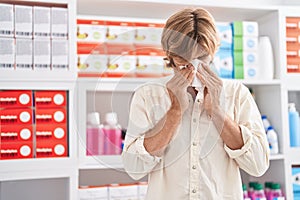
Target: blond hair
{"points": [[190, 33]]}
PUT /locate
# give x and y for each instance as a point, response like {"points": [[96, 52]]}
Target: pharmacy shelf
{"points": [[21, 169], [277, 157], [294, 159], [29, 2], [102, 162]]}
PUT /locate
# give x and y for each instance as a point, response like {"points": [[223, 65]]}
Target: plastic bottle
{"points": [[266, 60], [273, 140], [94, 135], [258, 193], [266, 122], [267, 188], [113, 134], [251, 188], [245, 193], [275, 193], [294, 125]]}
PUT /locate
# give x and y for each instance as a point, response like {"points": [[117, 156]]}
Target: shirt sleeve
{"points": [[253, 157], [137, 161]]}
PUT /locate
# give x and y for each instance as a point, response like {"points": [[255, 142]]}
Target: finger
{"points": [[201, 78], [209, 71]]}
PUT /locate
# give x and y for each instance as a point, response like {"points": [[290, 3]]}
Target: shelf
{"points": [[36, 168], [102, 162], [33, 2], [294, 155], [164, 8], [261, 82], [277, 157]]}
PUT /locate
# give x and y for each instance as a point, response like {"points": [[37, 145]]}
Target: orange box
{"points": [[16, 133], [51, 148], [293, 49], [292, 36], [293, 64], [91, 48], [15, 98], [45, 132], [293, 22], [16, 116], [50, 116], [50, 99], [18, 150]]}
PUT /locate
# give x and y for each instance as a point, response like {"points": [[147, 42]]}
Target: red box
{"points": [[293, 23], [17, 133], [15, 98], [46, 132], [48, 99], [51, 116], [293, 49], [16, 150], [51, 148], [16, 116]]}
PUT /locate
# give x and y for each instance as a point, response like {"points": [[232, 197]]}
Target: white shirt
{"points": [[196, 164]]}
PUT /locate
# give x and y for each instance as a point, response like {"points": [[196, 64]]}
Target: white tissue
{"points": [[196, 82]]}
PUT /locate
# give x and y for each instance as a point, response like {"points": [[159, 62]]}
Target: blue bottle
{"points": [[294, 124]]}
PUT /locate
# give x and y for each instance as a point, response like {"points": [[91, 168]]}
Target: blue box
{"points": [[223, 62], [225, 34], [296, 180]]}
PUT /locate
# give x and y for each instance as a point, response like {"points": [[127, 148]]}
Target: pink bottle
{"points": [[258, 193], [113, 134], [245, 193], [94, 135], [275, 193]]}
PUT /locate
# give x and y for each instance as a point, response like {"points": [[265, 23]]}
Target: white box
{"points": [[225, 34], [121, 64], [250, 28], [251, 72], [41, 22], [92, 63], [119, 32], [42, 54], [59, 22], [148, 33], [123, 192], [60, 54], [149, 65], [142, 190], [7, 53], [23, 21], [223, 62], [7, 20], [93, 193], [250, 58], [91, 30], [24, 54]]}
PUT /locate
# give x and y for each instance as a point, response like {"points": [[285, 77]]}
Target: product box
{"points": [[50, 98], [293, 23], [7, 20], [251, 72], [223, 62], [245, 58], [245, 43], [119, 32], [151, 65], [148, 33], [60, 54], [42, 54], [296, 181], [7, 53], [23, 21], [50, 116], [51, 132], [24, 54], [293, 49], [92, 193], [16, 133], [18, 150], [41, 22], [238, 72], [123, 192], [51, 148], [142, 190], [92, 63], [121, 65], [59, 22], [91, 30], [293, 64], [16, 116], [245, 28], [15, 98], [225, 34]]}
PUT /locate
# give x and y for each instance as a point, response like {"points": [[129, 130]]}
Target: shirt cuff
{"points": [[143, 153], [247, 139]]}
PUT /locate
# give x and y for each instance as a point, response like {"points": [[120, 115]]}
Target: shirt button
{"points": [[194, 144], [194, 167], [193, 191], [198, 100], [194, 120]]}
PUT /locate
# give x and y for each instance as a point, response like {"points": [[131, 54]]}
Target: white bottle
{"points": [[266, 59], [273, 140]]}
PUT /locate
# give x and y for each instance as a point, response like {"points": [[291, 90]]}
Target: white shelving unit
{"points": [[24, 178], [271, 96]]}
